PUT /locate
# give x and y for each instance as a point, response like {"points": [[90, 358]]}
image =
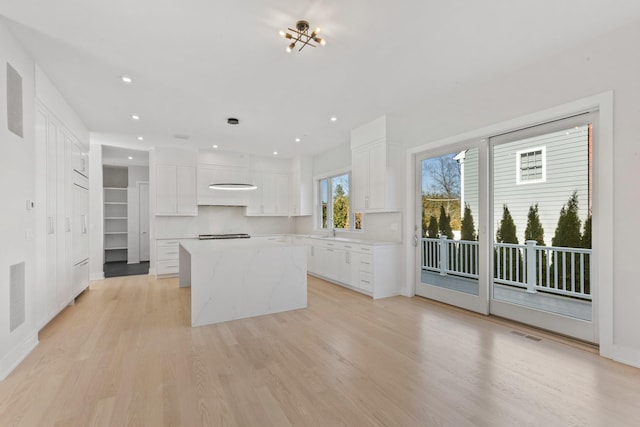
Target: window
{"points": [[335, 205], [531, 166]]}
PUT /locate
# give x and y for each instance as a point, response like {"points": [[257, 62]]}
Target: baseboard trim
{"points": [[17, 355], [96, 276]]}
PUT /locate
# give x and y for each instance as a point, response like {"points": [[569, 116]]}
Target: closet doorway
{"points": [[125, 179]]}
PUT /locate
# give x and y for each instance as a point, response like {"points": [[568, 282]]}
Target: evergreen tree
{"points": [[507, 234], [507, 231], [444, 223], [432, 229], [340, 208], [534, 230], [586, 234], [568, 233], [468, 230], [586, 243]]}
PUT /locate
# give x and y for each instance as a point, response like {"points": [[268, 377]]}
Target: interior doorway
{"points": [[126, 211]]}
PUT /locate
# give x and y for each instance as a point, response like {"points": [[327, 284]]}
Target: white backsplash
{"points": [[385, 226], [220, 220]]}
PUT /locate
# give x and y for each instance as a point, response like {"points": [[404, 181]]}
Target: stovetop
{"points": [[223, 236]]}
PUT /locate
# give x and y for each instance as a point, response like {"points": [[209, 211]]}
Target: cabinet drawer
{"points": [[167, 244], [168, 253], [366, 263], [364, 249], [167, 267], [366, 281]]}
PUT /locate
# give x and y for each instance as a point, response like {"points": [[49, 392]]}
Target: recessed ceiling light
{"points": [[126, 79], [297, 139], [130, 158], [215, 145], [334, 118], [140, 138], [275, 153], [135, 117]]}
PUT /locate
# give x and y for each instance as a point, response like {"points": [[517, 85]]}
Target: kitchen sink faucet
{"points": [[333, 227]]}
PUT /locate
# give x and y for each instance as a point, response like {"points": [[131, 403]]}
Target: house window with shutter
{"points": [[531, 166]]}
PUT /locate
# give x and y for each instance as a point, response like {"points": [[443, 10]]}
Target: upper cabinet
{"points": [[376, 169], [176, 182], [272, 177], [301, 199], [80, 158]]}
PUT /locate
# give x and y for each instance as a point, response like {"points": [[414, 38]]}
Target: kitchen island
{"points": [[235, 279]]}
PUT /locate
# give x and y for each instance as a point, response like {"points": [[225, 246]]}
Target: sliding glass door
{"points": [[450, 255]]}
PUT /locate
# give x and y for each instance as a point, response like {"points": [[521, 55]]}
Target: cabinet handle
{"points": [[365, 281], [67, 222], [52, 229], [84, 224], [313, 251]]}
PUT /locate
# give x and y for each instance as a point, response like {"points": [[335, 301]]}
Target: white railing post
{"points": [[444, 256], [530, 257]]}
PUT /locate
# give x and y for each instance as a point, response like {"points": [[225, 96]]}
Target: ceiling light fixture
{"points": [[135, 117], [297, 139], [334, 118], [140, 138], [130, 158], [126, 79], [232, 186], [275, 153], [215, 146], [301, 34]]}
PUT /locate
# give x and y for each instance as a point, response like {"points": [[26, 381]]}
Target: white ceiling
{"points": [[197, 62]]}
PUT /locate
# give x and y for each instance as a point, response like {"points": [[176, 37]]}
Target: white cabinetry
{"points": [[176, 190], [301, 199], [167, 257], [80, 159], [373, 269], [63, 219], [271, 198], [376, 170], [175, 181]]}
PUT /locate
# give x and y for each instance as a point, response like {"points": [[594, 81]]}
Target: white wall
{"points": [[96, 213], [607, 63], [17, 185]]}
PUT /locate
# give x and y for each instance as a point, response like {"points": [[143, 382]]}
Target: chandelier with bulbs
{"points": [[302, 35]]}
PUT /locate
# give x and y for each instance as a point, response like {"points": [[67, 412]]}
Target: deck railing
{"points": [[557, 270]]}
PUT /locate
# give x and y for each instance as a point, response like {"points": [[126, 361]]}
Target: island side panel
{"points": [[184, 264], [236, 284]]}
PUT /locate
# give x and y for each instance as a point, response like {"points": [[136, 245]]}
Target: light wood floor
{"points": [[125, 355]]}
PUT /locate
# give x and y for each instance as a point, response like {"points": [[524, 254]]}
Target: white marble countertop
{"points": [[200, 246]]}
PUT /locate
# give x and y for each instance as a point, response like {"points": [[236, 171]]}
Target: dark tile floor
{"points": [[121, 268]]}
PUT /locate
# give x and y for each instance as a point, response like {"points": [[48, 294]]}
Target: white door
{"points": [[451, 260], [143, 192], [543, 278]]}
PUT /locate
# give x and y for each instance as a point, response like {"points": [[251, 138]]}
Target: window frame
{"points": [[519, 153], [318, 211]]}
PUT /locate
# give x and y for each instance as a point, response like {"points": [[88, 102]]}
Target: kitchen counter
{"points": [[235, 279]]}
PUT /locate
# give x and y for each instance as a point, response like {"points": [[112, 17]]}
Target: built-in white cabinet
{"points": [[64, 219], [376, 170], [301, 199], [373, 269], [176, 192], [167, 257], [271, 198], [80, 159]]}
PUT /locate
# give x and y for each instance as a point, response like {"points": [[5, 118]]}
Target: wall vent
{"points": [[14, 101], [17, 303]]}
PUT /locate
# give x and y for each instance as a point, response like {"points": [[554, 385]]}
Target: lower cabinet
{"points": [[373, 269], [167, 258]]}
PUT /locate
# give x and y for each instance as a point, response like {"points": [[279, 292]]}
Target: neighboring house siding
{"points": [[471, 185], [567, 170]]}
